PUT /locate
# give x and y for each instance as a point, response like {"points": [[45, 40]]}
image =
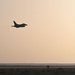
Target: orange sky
{"points": [[49, 37]]}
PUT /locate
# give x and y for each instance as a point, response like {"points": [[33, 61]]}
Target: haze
{"points": [[49, 36]]}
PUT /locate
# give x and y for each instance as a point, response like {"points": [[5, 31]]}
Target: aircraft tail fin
{"points": [[15, 23]]}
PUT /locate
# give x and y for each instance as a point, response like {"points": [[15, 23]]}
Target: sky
{"points": [[49, 36]]}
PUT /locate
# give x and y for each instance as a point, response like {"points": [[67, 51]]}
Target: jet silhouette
{"points": [[19, 25]]}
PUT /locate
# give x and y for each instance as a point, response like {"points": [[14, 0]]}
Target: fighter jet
{"points": [[19, 25]]}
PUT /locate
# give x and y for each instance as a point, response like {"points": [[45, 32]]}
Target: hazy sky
{"points": [[49, 36]]}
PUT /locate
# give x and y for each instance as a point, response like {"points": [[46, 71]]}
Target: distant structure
{"points": [[48, 66], [19, 25]]}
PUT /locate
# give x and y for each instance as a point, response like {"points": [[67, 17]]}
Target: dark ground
{"points": [[10, 70]]}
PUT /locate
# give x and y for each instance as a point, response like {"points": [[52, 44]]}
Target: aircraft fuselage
{"points": [[20, 25]]}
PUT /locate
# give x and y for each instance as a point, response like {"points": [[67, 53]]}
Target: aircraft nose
{"points": [[26, 25]]}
